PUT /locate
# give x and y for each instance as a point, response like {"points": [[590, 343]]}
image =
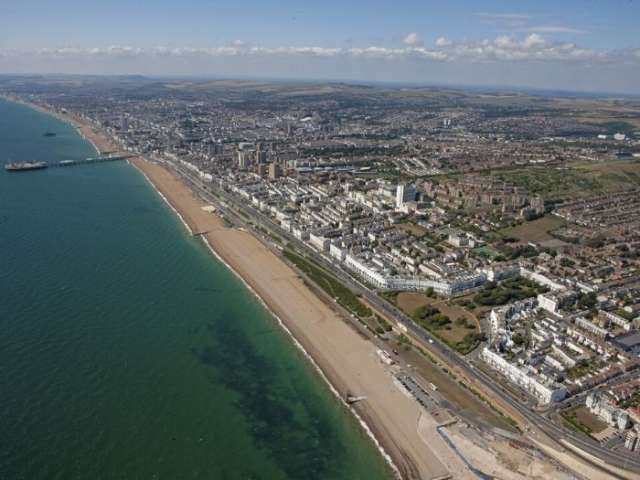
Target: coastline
{"points": [[315, 365], [101, 143], [390, 448], [363, 424], [344, 360]]}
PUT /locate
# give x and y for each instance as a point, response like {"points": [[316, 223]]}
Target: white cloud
{"points": [[532, 60], [532, 41], [532, 48], [412, 39], [505, 20], [504, 16], [503, 41], [555, 29]]}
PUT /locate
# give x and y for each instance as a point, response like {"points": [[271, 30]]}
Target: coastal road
{"points": [[550, 430]]}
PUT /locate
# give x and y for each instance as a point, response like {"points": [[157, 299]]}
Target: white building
{"points": [[544, 391], [319, 242], [600, 405], [541, 279], [591, 327], [496, 273], [404, 193]]}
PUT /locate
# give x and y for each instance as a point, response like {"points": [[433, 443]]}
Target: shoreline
{"points": [[346, 362], [405, 464], [363, 424], [100, 142], [367, 418]]}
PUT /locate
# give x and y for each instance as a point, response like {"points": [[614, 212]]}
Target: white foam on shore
{"points": [[166, 200], [332, 388], [79, 130], [315, 365]]}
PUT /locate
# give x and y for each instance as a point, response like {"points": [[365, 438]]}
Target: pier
{"points": [[91, 160], [28, 166]]}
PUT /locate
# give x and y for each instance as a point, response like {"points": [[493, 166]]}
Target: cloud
{"points": [[529, 60], [505, 20], [504, 16], [521, 22], [412, 39], [504, 48], [533, 40], [555, 29], [533, 48]]}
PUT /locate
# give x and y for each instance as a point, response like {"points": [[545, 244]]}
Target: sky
{"points": [[575, 45]]}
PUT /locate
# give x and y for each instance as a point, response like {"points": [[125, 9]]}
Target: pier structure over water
{"points": [[100, 159], [28, 166]]}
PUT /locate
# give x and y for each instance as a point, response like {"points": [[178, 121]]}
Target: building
{"points": [[319, 242], [545, 391], [553, 302], [603, 407], [261, 154], [243, 160], [591, 327], [459, 240], [404, 193], [499, 272], [629, 342], [274, 171], [500, 316]]}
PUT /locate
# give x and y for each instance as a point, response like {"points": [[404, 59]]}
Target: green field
{"points": [[329, 284], [450, 322], [512, 290], [535, 230], [579, 418], [577, 180]]}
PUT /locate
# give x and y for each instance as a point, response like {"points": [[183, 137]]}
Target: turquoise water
{"points": [[128, 352]]}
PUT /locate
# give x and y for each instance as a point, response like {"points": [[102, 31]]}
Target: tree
{"points": [[588, 300], [566, 262]]}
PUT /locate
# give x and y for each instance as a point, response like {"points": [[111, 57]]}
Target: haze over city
{"points": [[320, 240], [571, 45]]}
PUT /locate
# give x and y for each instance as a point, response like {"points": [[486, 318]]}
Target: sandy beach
{"points": [[405, 434], [346, 359]]}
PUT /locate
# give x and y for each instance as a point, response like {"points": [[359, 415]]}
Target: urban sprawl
{"points": [[505, 226]]}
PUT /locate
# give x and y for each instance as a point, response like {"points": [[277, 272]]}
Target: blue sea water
{"points": [[127, 351]]}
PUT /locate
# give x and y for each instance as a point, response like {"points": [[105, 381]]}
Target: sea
{"points": [[127, 351]]}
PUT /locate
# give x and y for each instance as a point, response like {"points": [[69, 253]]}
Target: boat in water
{"points": [[49, 133], [23, 166]]}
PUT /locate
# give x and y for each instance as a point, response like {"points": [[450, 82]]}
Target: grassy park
{"points": [[329, 284], [450, 322]]}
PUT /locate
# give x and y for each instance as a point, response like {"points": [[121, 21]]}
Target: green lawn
{"points": [[508, 291], [536, 230], [329, 284]]}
